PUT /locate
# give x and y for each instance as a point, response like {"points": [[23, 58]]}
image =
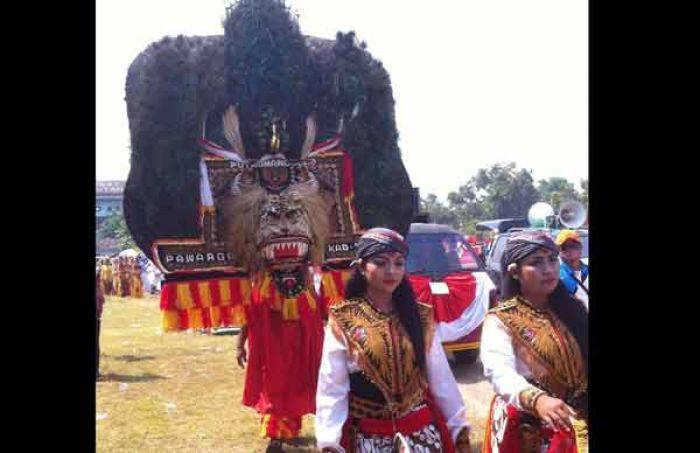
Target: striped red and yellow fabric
{"points": [[201, 304], [333, 285]]}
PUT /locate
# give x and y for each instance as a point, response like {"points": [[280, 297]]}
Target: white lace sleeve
{"points": [[444, 388], [332, 393], [500, 363]]}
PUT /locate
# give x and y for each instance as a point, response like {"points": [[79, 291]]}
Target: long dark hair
{"points": [[405, 306], [569, 310]]}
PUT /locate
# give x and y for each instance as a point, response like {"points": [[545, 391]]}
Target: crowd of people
{"points": [[312, 160], [384, 378], [128, 276], [121, 276]]}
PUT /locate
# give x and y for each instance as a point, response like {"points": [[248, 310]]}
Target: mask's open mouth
{"points": [[285, 249]]}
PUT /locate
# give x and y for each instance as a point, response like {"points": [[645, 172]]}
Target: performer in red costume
{"points": [[275, 201], [284, 353]]}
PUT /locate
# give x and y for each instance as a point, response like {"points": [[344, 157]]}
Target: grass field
{"points": [[174, 392]]}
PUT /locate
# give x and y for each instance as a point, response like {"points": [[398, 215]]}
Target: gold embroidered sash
{"points": [[382, 349], [549, 349]]}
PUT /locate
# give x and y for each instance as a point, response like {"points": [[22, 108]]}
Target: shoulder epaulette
{"points": [[343, 304], [505, 305]]}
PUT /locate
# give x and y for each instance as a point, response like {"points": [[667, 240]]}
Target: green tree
{"points": [[499, 191], [469, 225], [466, 206], [584, 194], [505, 191], [555, 190], [439, 213], [114, 227]]}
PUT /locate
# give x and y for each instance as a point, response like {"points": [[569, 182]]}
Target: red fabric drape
{"points": [[447, 307]]}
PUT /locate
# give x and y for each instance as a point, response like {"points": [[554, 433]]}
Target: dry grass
{"points": [[169, 392], [180, 392]]}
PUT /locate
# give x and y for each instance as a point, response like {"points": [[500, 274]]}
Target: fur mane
{"points": [[241, 220]]}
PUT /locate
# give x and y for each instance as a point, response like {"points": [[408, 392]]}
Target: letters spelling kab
{"points": [[340, 247]]}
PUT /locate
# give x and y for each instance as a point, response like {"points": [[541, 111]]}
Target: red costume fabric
{"points": [[280, 427], [284, 355], [507, 430]]}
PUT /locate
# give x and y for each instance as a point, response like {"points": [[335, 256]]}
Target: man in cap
{"points": [[573, 272]]}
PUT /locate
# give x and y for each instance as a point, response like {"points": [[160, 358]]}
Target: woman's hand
{"points": [[241, 356], [555, 412]]}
